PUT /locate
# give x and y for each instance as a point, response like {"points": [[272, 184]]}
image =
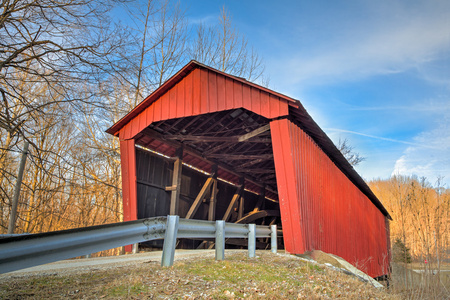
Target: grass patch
{"points": [[268, 276]]}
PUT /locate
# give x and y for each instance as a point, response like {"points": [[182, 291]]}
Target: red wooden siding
{"points": [[321, 209], [204, 91], [129, 187]]}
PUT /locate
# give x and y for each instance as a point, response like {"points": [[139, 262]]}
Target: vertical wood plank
{"points": [[149, 114], [213, 202], [238, 94], [129, 185], [134, 126], [196, 82], [180, 99], [221, 100], [265, 105], [173, 103], [176, 183], [229, 93], [255, 95], [204, 103], [142, 121], [157, 113], [165, 107], [212, 92], [241, 208], [246, 97], [188, 94]]}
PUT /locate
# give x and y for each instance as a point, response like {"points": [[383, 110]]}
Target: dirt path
{"points": [[100, 263]]}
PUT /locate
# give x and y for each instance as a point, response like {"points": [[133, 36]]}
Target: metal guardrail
{"points": [[36, 249]]}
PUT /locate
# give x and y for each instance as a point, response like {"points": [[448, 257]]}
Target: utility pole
{"points": [[15, 201]]}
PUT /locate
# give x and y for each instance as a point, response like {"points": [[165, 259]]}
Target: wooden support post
{"points": [[212, 206], [235, 198], [261, 199], [213, 197], [176, 182], [212, 202], [241, 208]]}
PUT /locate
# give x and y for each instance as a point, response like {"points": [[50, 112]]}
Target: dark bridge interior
{"points": [[227, 171]]}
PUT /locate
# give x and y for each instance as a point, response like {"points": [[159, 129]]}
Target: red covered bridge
{"points": [[209, 145]]}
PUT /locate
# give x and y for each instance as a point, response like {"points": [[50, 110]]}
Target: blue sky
{"points": [[374, 72]]}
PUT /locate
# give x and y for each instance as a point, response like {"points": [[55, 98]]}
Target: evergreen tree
{"points": [[401, 253]]}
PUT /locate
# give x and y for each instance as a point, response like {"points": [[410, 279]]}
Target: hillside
{"points": [[268, 276]]}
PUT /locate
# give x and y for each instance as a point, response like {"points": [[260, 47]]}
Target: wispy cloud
{"points": [[382, 138], [205, 20], [439, 106], [396, 39]]}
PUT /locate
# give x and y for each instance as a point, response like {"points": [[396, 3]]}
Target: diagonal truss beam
{"points": [[199, 198], [235, 198], [254, 133]]}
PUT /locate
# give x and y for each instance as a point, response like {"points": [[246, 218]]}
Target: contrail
{"points": [[380, 138]]}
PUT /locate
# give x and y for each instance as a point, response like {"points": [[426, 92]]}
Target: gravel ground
{"points": [[83, 265]]}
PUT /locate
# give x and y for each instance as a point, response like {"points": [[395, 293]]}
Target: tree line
{"points": [[68, 71], [420, 213]]}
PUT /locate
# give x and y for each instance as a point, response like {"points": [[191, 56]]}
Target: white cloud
{"points": [[430, 161], [395, 40], [205, 20]]}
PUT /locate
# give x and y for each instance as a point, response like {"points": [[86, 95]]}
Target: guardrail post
{"points": [[251, 240], [273, 238], [135, 248], [220, 240], [170, 241]]}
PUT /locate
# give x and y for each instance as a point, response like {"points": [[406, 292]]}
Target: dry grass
{"points": [[417, 281], [268, 276]]}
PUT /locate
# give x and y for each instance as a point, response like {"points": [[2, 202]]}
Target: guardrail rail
{"points": [[26, 251]]}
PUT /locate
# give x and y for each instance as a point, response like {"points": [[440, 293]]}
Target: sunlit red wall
{"points": [[203, 91], [321, 209]]}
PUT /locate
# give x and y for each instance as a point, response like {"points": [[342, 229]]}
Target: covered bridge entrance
{"points": [[208, 145]]}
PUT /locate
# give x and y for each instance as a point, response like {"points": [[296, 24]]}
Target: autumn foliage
{"points": [[420, 213]]}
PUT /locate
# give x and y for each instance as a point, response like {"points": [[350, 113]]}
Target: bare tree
{"points": [[158, 45], [224, 48], [170, 39], [60, 44], [66, 74], [353, 157]]}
